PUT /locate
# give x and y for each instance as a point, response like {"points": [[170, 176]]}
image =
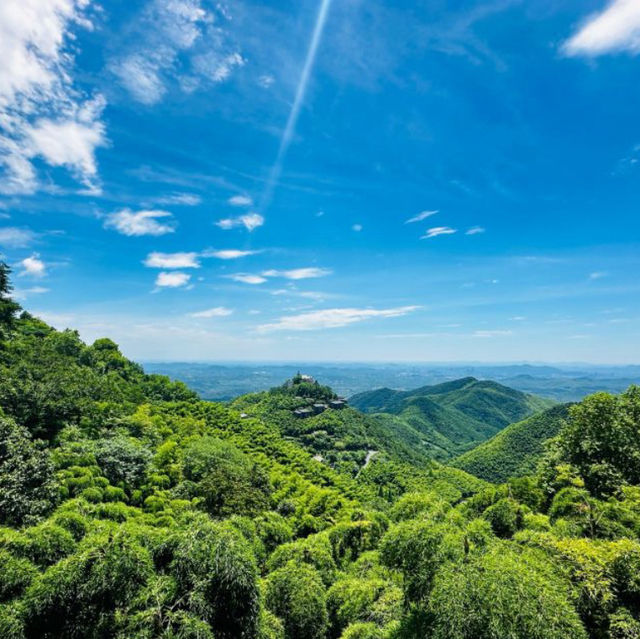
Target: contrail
{"points": [[289, 130]]}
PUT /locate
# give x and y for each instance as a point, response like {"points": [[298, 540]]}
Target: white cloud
{"points": [[615, 29], [141, 223], [41, 113], [23, 294], [421, 216], [475, 230], [71, 142], [172, 280], [333, 318], [247, 278], [180, 199], [597, 275], [228, 254], [33, 266], [172, 260], [311, 295], [298, 273], [250, 221], [218, 311], [438, 230], [14, 237], [175, 41], [240, 200], [357, 228], [266, 81], [141, 77], [216, 67], [489, 334]]}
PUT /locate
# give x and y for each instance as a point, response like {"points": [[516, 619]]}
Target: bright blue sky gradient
{"points": [[516, 121]]}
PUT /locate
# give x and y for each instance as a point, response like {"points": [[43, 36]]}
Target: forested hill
{"points": [[131, 509], [341, 437], [452, 417], [516, 450]]}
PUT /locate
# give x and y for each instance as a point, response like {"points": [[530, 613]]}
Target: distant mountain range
{"points": [[220, 382]]}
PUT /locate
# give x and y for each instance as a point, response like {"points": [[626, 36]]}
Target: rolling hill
{"points": [[516, 450], [452, 417]]}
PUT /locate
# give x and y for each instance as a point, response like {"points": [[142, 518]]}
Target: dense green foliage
{"points": [[131, 509], [516, 450], [449, 418]]}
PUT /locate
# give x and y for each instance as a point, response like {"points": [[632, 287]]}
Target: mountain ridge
{"points": [[453, 416]]}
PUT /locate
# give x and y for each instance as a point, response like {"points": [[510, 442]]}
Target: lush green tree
{"points": [[414, 549], [8, 308], [28, 489], [363, 631], [15, 575], [82, 595], [502, 593], [122, 460], [226, 480], [602, 440], [623, 625], [295, 593], [314, 551], [355, 600], [216, 575], [505, 517]]}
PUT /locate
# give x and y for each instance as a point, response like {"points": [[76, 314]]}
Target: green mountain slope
{"points": [[342, 437], [516, 450], [452, 417]]}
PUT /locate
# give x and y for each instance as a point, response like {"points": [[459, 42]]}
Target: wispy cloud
{"points": [[33, 266], [174, 279], [179, 199], [175, 40], [489, 334], [247, 278], [228, 254], [597, 275], [172, 260], [333, 318], [217, 311], [475, 230], [13, 237], [266, 81], [615, 29], [421, 216], [298, 273], [311, 295], [216, 66], [240, 200], [25, 293], [250, 221], [43, 115], [438, 230], [357, 228], [141, 223]]}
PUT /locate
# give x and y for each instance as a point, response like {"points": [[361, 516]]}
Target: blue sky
{"points": [[341, 180]]}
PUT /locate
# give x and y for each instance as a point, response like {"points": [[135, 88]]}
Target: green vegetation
{"points": [[516, 450], [449, 418], [129, 508]]}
